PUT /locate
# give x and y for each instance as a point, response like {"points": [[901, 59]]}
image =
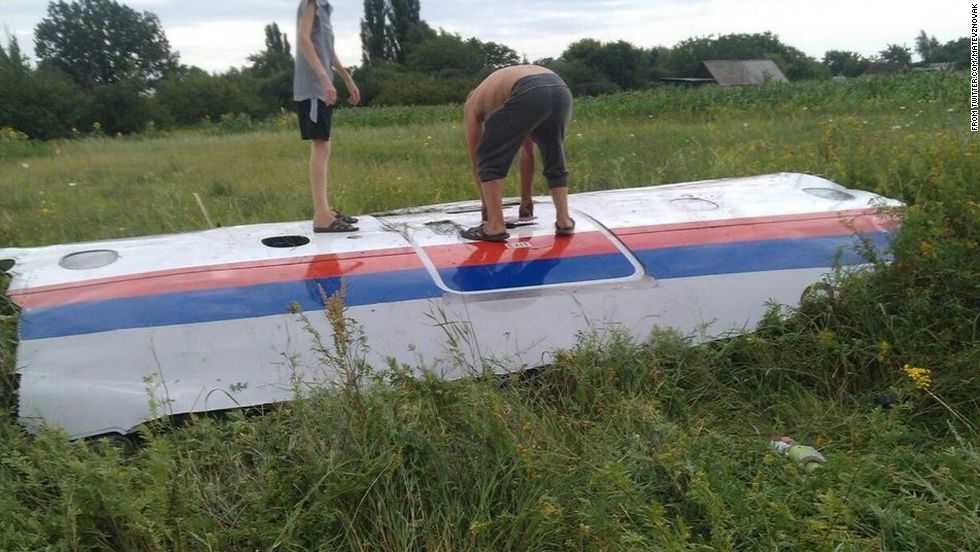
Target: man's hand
{"points": [[329, 90], [353, 94]]}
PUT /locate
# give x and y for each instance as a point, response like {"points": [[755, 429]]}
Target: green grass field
{"points": [[621, 445]]}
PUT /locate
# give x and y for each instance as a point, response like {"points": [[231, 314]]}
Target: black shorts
{"points": [[538, 106], [319, 130]]}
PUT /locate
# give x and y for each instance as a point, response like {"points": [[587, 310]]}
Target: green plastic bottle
{"points": [[804, 456]]}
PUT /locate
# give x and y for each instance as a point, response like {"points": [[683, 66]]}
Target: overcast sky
{"points": [[218, 34]]}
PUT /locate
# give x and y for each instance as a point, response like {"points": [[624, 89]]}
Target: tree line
{"points": [[105, 67]]}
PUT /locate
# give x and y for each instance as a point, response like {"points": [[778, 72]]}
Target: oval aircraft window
{"points": [[285, 241], [87, 260], [828, 193], [6, 264], [695, 204]]}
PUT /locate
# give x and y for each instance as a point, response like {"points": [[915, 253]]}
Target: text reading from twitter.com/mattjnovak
{"points": [[974, 81]]}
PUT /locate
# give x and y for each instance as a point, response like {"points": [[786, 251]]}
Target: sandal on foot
{"points": [[338, 225], [346, 218], [477, 233], [566, 231]]}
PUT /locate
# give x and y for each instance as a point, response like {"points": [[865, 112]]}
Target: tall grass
{"points": [[619, 445]]}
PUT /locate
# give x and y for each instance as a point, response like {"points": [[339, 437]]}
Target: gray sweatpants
{"points": [[538, 106]]}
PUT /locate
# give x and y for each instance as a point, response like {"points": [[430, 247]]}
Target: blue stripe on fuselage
{"points": [[207, 305], [754, 256], [539, 272]]}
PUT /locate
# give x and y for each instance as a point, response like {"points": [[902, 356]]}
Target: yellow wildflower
{"points": [[548, 509], [476, 526], [919, 376], [883, 348], [925, 248]]}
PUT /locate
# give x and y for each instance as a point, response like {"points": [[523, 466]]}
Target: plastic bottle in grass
{"points": [[805, 457]]}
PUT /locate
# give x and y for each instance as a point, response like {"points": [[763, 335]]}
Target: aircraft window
{"points": [[828, 193], [695, 204], [6, 264], [285, 241], [87, 260]]}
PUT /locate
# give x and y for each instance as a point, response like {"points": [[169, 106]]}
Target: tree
{"points": [[403, 15], [955, 51], [272, 71], [12, 56], [387, 29], [447, 55], [591, 67], [101, 42], [277, 55], [895, 53], [374, 42], [41, 104], [844, 63], [193, 95], [497, 55], [925, 46]]}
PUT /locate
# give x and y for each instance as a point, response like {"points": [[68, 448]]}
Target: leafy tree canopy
{"points": [[277, 55], [895, 53], [389, 29], [845, 63], [98, 42], [955, 51], [925, 45]]}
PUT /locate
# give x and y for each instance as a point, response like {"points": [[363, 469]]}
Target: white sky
{"points": [[218, 34]]}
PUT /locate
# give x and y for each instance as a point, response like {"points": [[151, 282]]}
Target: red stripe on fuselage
{"points": [[520, 249], [754, 228], [451, 255], [219, 276]]}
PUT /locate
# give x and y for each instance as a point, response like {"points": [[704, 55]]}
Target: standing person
{"points": [[510, 106], [315, 97]]}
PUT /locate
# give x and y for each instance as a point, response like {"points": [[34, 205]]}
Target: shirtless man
{"points": [[509, 109]]}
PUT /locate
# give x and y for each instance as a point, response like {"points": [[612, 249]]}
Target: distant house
{"points": [[732, 72]]}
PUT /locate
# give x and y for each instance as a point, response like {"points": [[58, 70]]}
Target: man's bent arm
{"points": [[526, 173], [353, 93]]}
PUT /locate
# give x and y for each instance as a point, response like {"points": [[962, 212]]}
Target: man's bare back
{"points": [[496, 129], [493, 91]]}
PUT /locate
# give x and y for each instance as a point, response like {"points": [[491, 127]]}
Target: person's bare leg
{"points": [[526, 166], [559, 196], [483, 202], [493, 197], [323, 215]]}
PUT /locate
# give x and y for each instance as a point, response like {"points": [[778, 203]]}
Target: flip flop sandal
{"points": [[346, 218], [477, 233], [338, 225], [566, 231]]}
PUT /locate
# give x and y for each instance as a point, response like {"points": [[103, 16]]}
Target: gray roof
{"points": [[729, 72]]}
